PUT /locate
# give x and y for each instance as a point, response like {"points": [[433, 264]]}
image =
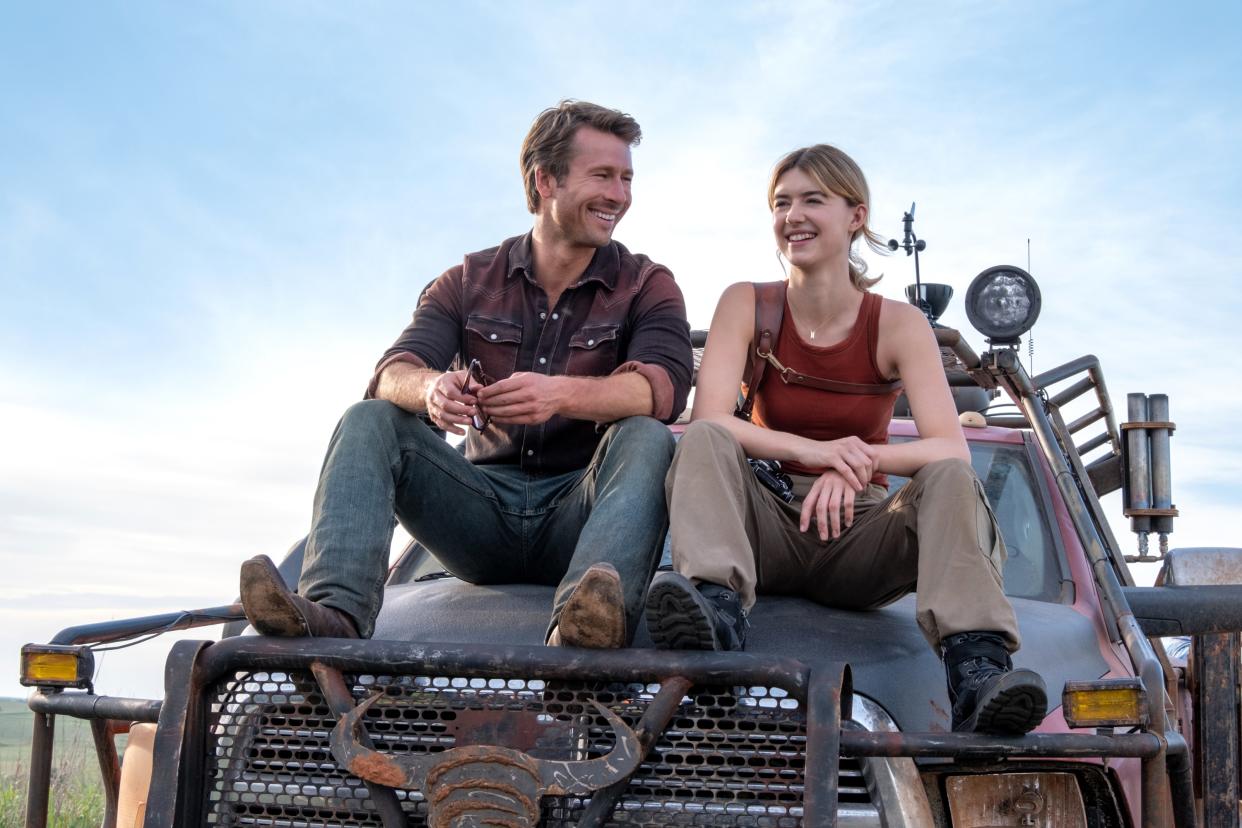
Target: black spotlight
{"points": [[1003, 303]]}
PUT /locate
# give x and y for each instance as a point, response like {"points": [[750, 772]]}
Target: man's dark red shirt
{"points": [[625, 314]]}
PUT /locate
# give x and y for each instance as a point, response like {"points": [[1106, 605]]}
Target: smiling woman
{"points": [[827, 422]]}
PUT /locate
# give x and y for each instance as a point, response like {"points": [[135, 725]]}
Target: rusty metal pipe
{"points": [[1154, 802], [1180, 768], [1216, 663], [1073, 392], [952, 339], [1008, 421], [1085, 420], [657, 716], [106, 631], [829, 700], [1138, 490], [979, 746], [1161, 463], [1186, 610], [341, 702], [1087, 362], [40, 770], [1095, 442], [502, 661], [1105, 562], [90, 706], [109, 768]]}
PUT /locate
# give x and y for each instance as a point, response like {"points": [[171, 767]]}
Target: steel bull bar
{"points": [[823, 690]]}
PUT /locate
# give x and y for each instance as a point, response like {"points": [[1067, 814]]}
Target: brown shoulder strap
{"points": [[769, 313]]}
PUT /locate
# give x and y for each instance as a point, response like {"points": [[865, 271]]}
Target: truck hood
{"points": [[891, 661]]}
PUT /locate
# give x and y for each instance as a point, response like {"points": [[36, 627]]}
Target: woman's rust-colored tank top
{"points": [[824, 415]]}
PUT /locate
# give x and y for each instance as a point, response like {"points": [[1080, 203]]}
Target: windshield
{"points": [[1032, 569]]}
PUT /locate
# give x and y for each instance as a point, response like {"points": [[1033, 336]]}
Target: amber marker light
{"points": [[1105, 703], [49, 665]]}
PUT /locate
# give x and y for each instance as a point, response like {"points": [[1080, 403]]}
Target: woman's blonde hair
{"points": [[836, 172]]}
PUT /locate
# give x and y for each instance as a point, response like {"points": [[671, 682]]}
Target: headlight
{"points": [[1000, 800], [1003, 303]]}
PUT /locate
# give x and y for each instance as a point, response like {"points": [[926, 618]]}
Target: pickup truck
{"points": [[454, 714]]}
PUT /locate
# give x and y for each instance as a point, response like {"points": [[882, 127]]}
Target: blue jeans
{"points": [[488, 524]]}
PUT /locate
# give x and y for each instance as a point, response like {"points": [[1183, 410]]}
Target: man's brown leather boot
{"points": [[594, 615], [274, 609]]}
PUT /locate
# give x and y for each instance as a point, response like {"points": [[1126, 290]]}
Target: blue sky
{"points": [[214, 218]]}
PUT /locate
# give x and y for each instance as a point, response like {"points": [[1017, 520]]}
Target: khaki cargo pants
{"points": [[937, 533]]}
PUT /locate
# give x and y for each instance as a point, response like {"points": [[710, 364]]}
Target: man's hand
{"points": [[448, 406], [830, 498], [852, 458], [522, 398]]}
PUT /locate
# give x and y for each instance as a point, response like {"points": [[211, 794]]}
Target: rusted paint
{"points": [[480, 755], [1216, 671], [376, 767], [519, 729], [419, 772], [494, 790]]}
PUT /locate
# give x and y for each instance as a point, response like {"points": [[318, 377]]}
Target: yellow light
{"points": [[53, 666], [1105, 703]]}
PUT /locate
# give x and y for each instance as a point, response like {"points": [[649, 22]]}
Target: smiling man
{"points": [[557, 353]]}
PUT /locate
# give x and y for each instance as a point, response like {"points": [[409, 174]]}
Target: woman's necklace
{"points": [[814, 329]]}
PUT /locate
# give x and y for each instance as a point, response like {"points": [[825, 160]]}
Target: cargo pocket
{"points": [[494, 343], [592, 351], [988, 532]]}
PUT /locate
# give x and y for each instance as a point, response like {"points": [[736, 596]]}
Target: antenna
{"points": [[912, 244], [1030, 336]]}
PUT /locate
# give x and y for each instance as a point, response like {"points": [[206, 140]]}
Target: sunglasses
{"points": [[476, 377]]}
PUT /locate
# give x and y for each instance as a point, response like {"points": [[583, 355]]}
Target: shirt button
{"points": [[530, 452], [556, 316], [543, 360], [493, 336], [590, 342], [542, 315]]}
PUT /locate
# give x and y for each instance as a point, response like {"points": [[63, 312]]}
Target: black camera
{"points": [[770, 475]]}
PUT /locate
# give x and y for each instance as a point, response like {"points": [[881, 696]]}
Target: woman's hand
{"points": [[852, 458], [831, 497]]}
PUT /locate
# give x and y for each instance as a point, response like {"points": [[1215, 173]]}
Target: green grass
{"points": [[77, 792]]}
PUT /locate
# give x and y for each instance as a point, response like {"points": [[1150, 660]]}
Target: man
{"points": [[570, 351]]}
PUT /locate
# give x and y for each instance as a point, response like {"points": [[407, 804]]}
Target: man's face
{"points": [[594, 194]]}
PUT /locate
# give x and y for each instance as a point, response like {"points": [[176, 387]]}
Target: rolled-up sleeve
{"points": [[433, 337], [659, 344]]}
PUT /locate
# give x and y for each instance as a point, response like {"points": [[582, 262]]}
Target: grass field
{"points": [[77, 794]]}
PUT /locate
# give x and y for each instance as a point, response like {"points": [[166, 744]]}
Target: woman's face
{"points": [[813, 226]]}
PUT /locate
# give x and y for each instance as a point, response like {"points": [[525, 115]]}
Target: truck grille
{"points": [[730, 756]]}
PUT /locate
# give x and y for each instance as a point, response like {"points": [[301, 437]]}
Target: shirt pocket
{"points": [[593, 351], [494, 343]]}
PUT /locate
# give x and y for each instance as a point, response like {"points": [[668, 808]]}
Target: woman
{"points": [[841, 541]]}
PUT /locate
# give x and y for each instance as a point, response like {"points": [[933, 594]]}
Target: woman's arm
{"points": [[715, 398], [907, 348]]}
